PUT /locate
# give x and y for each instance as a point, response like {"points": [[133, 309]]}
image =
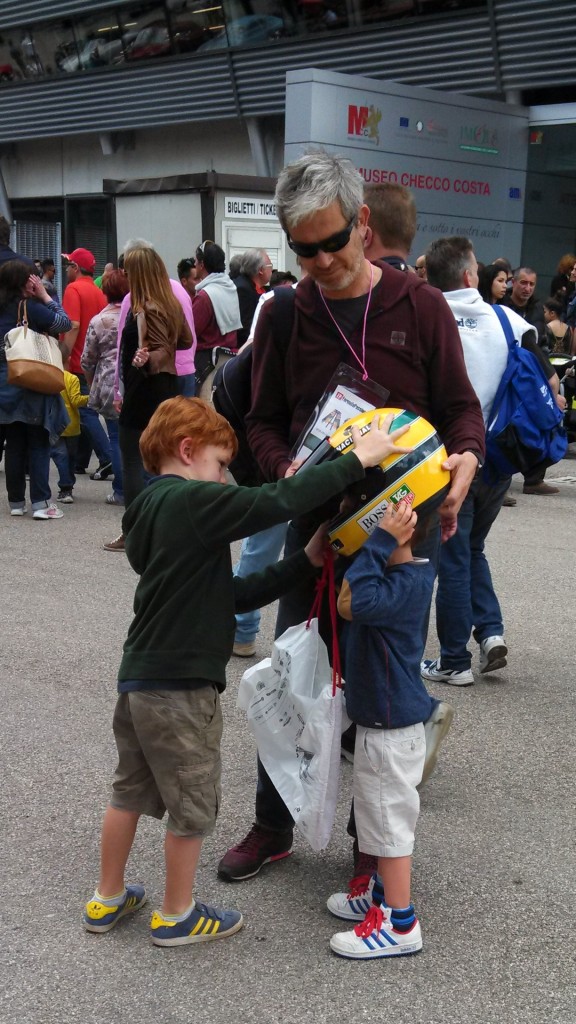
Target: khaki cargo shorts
{"points": [[169, 757]]}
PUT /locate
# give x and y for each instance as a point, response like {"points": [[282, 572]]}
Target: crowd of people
{"points": [[137, 351], [130, 338]]}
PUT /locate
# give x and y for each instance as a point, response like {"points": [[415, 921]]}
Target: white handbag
{"points": [[34, 360]]}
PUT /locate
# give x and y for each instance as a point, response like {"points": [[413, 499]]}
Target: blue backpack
{"points": [[525, 424]]}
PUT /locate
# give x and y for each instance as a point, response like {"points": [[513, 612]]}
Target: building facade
{"points": [[166, 119]]}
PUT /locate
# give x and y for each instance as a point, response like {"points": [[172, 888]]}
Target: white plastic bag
{"points": [[297, 725]]}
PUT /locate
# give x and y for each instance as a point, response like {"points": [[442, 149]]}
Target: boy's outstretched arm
{"points": [[241, 511], [262, 588], [378, 443]]}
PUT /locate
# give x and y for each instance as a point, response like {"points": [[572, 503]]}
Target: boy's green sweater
{"points": [[178, 534]]}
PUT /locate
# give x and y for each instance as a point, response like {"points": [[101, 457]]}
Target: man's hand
{"points": [[316, 546], [293, 467], [399, 520], [462, 469], [377, 443]]}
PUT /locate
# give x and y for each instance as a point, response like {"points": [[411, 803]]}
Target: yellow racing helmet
{"points": [[416, 476]]}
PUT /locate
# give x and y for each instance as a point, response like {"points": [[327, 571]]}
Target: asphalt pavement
{"points": [[494, 867]]}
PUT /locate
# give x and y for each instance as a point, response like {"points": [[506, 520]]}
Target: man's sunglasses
{"points": [[337, 241]]}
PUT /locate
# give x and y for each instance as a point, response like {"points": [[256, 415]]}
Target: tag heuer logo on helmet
{"points": [[402, 494]]}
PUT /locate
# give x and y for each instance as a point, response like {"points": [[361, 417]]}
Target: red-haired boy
{"points": [[168, 722]]}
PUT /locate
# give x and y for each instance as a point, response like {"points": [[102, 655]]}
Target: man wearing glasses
{"points": [[420, 267], [401, 334]]}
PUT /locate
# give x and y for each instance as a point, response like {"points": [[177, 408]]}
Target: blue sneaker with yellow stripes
{"points": [[376, 937], [100, 916], [203, 924]]}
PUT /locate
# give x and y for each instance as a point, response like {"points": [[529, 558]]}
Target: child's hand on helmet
{"points": [[399, 520], [378, 443]]}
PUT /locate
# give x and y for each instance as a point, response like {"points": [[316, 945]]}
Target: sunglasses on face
{"points": [[337, 241]]}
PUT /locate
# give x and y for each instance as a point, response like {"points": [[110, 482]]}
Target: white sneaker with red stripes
{"points": [[353, 905], [376, 937]]}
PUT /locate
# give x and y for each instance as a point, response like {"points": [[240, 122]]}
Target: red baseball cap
{"points": [[83, 258]]}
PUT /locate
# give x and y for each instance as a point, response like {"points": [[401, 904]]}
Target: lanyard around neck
{"points": [[360, 361]]}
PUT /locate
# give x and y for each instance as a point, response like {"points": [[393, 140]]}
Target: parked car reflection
{"points": [[94, 53], [253, 28], [154, 40]]}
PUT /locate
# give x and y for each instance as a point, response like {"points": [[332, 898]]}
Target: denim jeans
{"points": [[115, 457], [91, 426], [63, 455], [294, 607], [134, 475], [465, 596], [27, 451], [257, 553], [187, 385]]}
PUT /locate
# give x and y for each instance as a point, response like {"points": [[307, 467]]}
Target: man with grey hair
{"points": [[400, 333], [251, 282], [465, 598]]}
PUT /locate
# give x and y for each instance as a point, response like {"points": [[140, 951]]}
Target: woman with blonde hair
{"points": [[154, 329]]}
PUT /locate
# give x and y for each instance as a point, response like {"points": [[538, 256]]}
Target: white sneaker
{"points": [[18, 511], [376, 937], [50, 512], [434, 673], [353, 905], [493, 653], [435, 729]]}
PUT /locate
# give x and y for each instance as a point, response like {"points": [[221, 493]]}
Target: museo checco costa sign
{"points": [[427, 182], [463, 158]]}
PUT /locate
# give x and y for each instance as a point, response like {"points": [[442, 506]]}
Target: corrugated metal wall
{"points": [[30, 11], [513, 44], [444, 54], [536, 43]]}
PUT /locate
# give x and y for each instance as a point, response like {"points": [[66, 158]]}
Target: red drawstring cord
{"points": [[327, 578]]}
